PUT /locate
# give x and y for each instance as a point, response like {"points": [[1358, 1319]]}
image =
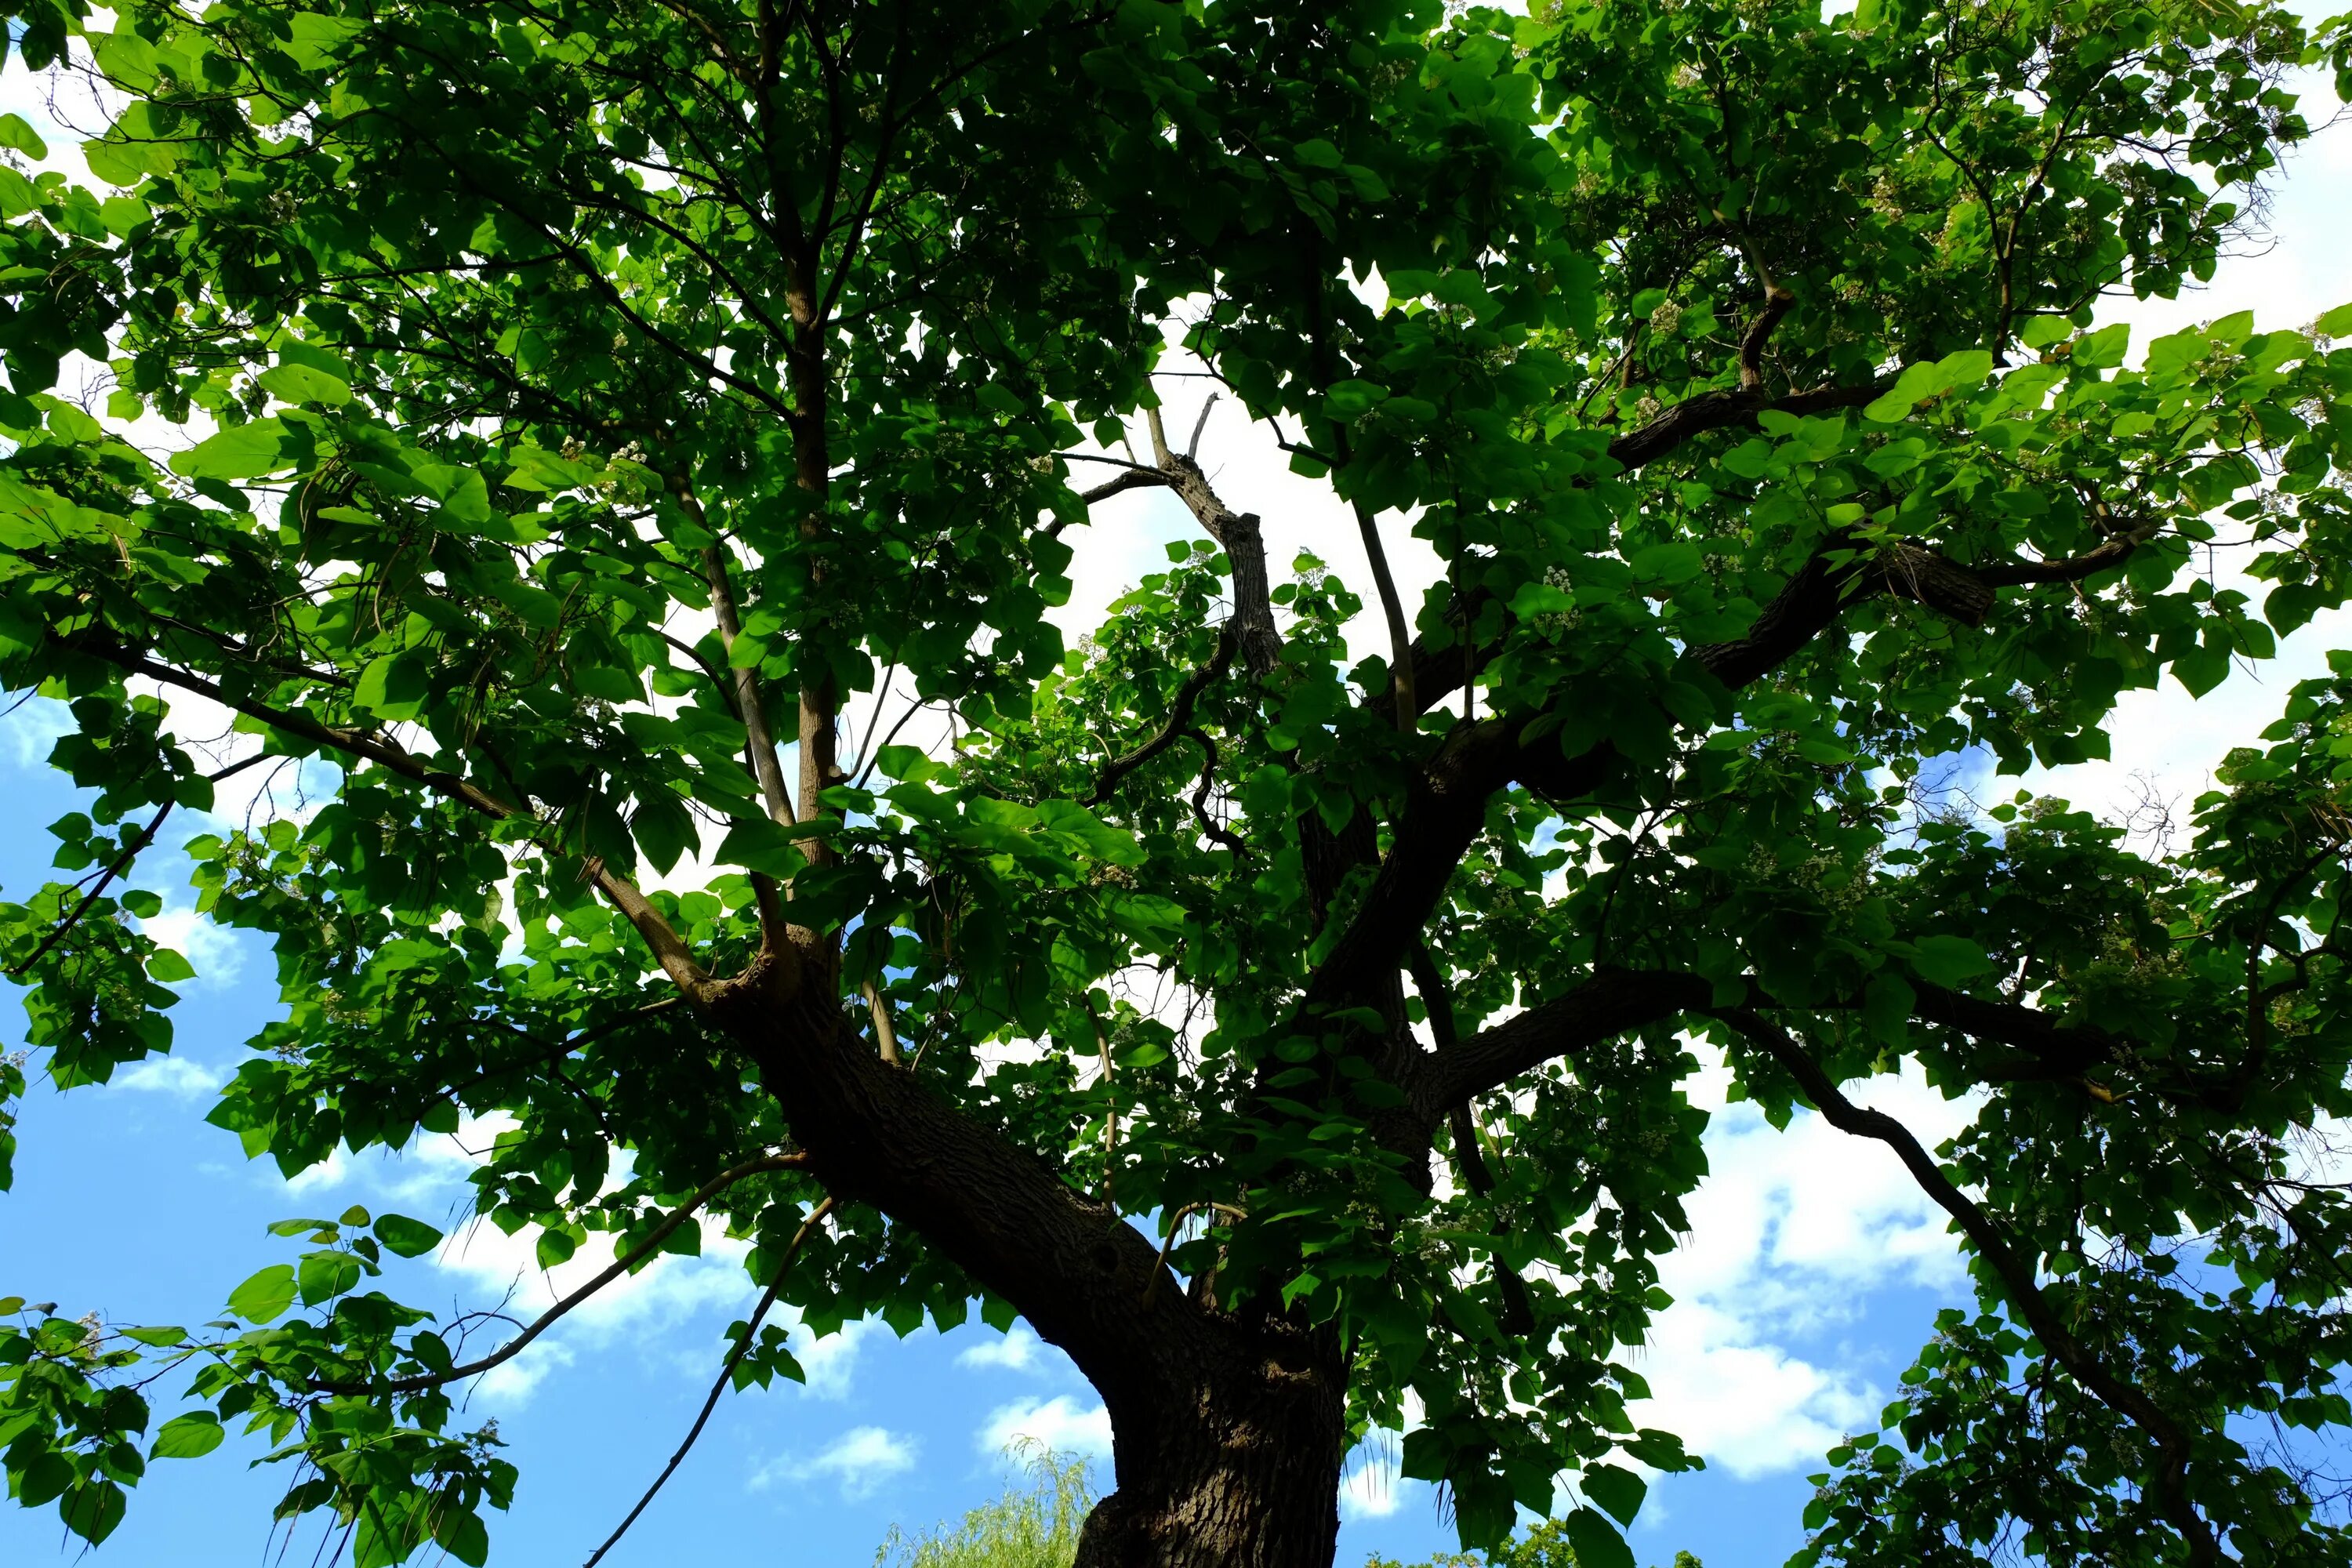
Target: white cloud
{"points": [[1060, 1424], [1751, 1407], [510, 1383], [1791, 1232], [330, 1171], [829, 1363], [215, 953], [1371, 1487], [174, 1076], [860, 1460], [1016, 1350]]}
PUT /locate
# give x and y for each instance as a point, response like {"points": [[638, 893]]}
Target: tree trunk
{"points": [[1239, 1469], [1228, 1429]]}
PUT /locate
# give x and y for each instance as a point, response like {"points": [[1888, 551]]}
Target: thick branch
{"points": [[1777, 301], [890, 1140], [1445, 810], [2070, 1049], [750, 702], [1725, 409], [1237, 533], [1607, 1004]]}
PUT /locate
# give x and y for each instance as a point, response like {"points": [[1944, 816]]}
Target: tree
{"points": [[585, 403], [1036, 1528], [1544, 1545]]}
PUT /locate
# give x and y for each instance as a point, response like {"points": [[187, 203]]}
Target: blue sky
{"points": [[1810, 1280]]}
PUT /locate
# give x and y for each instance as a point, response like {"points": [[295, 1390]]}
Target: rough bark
{"points": [[1228, 1428]]}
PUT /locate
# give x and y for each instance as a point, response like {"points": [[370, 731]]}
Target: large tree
{"points": [[586, 401]]}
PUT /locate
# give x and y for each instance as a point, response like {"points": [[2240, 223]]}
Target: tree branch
{"points": [[1777, 301], [669, 949], [1238, 534], [145, 836], [549, 1318], [734, 1359], [1179, 718], [1605, 1006], [2015, 1271], [886, 1035]]}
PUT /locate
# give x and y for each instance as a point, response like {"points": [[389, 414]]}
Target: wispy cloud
{"points": [[1060, 1424], [858, 1462], [1018, 1348], [216, 955], [177, 1076]]}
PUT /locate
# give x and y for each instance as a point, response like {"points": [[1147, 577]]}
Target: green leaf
{"points": [[167, 967], [1620, 1491], [45, 1476], [665, 830], [2104, 349], [1597, 1541], [408, 1237], [92, 1509], [461, 1533], [1948, 961], [263, 1297], [1346, 399], [303, 383], [14, 132], [1917, 383], [324, 1276], [555, 1248], [242, 452], [189, 1437], [760, 845]]}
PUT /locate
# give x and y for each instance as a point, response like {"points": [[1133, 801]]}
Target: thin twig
{"points": [[547, 1319], [726, 1373], [122, 862]]}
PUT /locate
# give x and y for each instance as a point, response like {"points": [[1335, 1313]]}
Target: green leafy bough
{"points": [[577, 407]]}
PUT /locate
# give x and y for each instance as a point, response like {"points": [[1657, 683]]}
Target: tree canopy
{"points": [[546, 417]]}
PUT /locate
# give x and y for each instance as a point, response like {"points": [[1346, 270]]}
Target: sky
{"points": [[1809, 1278]]}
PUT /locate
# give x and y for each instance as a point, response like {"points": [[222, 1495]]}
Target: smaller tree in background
{"points": [[1545, 1545], [1036, 1528]]}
